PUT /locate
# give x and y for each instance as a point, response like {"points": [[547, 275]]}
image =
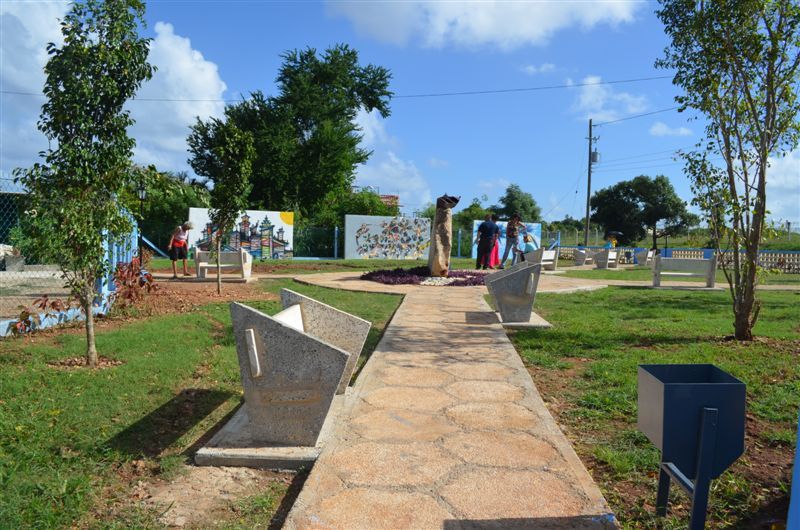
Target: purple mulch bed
{"points": [[417, 275]]}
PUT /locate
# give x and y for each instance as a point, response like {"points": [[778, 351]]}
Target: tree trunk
{"points": [[655, 239], [91, 349], [219, 276]]}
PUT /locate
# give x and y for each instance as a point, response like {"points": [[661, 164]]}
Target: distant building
{"points": [[392, 201]]}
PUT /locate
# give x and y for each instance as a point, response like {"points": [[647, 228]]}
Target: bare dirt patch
{"points": [[203, 494], [73, 363]]}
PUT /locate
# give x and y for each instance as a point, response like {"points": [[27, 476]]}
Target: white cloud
{"points": [[494, 187], [372, 128], [437, 163], [506, 25], [603, 103], [532, 69], [26, 28], [783, 187], [392, 175], [660, 128], [182, 73], [161, 127]]}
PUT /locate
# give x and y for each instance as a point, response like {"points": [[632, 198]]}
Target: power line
{"points": [[646, 154], [636, 116], [406, 96]]}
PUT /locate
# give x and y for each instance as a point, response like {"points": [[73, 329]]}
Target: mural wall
{"points": [[377, 237], [263, 234], [534, 229]]}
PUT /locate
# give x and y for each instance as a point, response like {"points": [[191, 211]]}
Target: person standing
{"points": [[178, 248], [487, 235], [512, 240]]}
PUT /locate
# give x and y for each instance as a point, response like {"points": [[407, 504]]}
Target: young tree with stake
{"points": [[738, 63], [79, 188]]}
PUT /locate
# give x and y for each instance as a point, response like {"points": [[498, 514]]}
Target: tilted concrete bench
{"points": [[645, 257], [583, 257], [548, 259], [514, 291], [237, 259], [292, 364], [606, 259], [683, 267]]}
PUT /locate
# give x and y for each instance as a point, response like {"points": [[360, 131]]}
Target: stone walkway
{"points": [[444, 429]]}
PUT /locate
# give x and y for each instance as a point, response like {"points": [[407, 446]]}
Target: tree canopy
{"points": [[514, 200], [79, 190], [637, 206], [337, 205], [738, 64], [305, 137]]}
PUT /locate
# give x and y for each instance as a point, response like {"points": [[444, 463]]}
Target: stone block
{"points": [[514, 291], [328, 324], [289, 378]]}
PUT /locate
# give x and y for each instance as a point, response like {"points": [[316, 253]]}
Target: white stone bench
{"points": [[685, 267], [548, 259], [237, 259], [645, 257], [583, 257], [606, 259]]}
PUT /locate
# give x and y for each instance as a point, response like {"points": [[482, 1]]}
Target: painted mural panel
{"points": [[263, 234], [378, 237], [534, 229]]}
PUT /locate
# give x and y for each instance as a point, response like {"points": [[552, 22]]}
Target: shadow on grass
{"points": [[578, 521], [276, 523], [157, 431]]}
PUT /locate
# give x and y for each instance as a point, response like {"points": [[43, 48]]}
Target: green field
{"points": [[585, 368], [69, 438]]}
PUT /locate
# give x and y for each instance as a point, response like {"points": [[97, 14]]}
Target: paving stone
{"points": [[513, 494], [408, 398], [504, 449], [479, 370], [368, 509], [414, 376], [508, 416], [485, 391], [378, 464], [402, 426]]}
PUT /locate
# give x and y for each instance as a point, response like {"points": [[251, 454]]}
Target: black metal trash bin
{"points": [[695, 414]]}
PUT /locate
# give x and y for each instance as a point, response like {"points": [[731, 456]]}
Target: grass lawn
{"points": [[333, 265], [74, 442], [643, 274], [585, 368]]}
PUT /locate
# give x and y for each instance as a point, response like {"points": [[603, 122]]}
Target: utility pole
{"points": [[588, 185]]}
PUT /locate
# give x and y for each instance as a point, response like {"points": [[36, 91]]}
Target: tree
{"points": [[306, 140], [637, 206], [224, 154], [80, 187], [169, 196], [738, 64], [517, 201], [336, 206]]}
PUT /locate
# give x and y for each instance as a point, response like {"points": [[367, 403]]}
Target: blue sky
{"points": [[461, 145]]}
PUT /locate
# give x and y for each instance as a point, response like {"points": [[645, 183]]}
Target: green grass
{"points": [[68, 438], [644, 274], [599, 350], [316, 266]]}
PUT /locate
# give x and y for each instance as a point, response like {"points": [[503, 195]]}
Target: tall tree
{"points": [[514, 200], [224, 154], [637, 206], [79, 189], [306, 139], [738, 64], [336, 206]]}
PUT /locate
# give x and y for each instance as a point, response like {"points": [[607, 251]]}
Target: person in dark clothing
{"points": [[487, 234]]}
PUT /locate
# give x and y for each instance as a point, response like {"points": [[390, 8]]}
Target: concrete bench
{"points": [[645, 257], [685, 267], [548, 259], [292, 364], [237, 259], [514, 291], [583, 257], [606, 259]]}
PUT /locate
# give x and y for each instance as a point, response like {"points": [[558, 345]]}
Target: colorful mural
{"points": [[263, 234], [377, 237], [534, 229]]}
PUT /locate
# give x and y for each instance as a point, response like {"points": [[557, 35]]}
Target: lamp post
{"points": [[142, 192]]}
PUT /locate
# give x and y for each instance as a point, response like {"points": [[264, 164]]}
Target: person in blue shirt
{"points": [[487, 234]]}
